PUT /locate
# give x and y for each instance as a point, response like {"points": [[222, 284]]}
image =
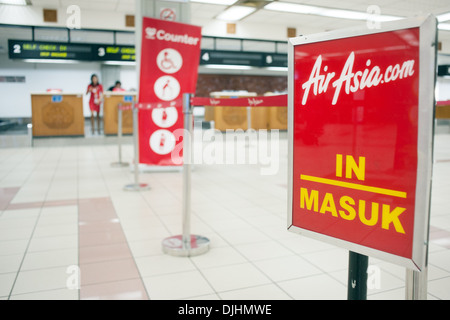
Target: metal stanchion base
{"points": [[174, 246], [136, 187], [119, 164]]}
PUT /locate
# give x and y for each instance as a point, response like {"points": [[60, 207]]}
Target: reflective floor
{"points": [[69, 231]]}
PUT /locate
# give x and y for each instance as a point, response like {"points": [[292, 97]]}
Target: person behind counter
{"points": [[96, 90], [117, 87]]}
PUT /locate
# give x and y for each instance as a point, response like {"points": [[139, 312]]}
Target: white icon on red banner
{"points": [[150, 33], [167, 88], [165, 117], [169, 61], [162, 142]]}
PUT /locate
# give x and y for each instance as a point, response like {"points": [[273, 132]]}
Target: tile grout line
{"points": [[276, 240], [29, 240], [247, 259], [127, 242], [122, 230], [312, 263], [17, 164], [34, 228], [232, 246]]}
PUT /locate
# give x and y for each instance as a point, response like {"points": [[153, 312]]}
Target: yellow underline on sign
{"points": [[355, 186]]}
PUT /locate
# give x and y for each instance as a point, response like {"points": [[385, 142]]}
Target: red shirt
{"points": [[96, 93]]}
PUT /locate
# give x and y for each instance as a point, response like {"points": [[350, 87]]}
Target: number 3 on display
{"points": [[101, 52]]}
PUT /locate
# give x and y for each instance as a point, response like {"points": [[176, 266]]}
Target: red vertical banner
{"points": [[169, 67]]}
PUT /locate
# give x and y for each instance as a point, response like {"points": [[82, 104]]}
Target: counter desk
{"points": [[57, 114], [443, 110], [110, 112], [276, 116], [230, 117]]}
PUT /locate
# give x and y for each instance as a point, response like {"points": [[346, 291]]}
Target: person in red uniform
{"points": [[96, 91]]}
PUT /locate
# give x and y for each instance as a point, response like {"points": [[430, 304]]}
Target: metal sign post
{"points": [[186, 245], [119, 139], [357, 276], [30, 133], [136, 186]]}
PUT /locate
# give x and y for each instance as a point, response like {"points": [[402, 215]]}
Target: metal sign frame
{"points": [[427, 69]]}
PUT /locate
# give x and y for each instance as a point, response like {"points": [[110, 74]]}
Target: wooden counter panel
{"points": [[232, 118], [443, 112], [64, 118], [111, 116], [260, 118], [278, 118]]}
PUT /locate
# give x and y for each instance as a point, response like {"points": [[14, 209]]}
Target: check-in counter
{"points": [[443, 110], [228, 117], [276, 116], [57, 114], [110, 112]]}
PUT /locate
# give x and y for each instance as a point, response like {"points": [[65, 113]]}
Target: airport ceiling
{"points": [[305, 23]]}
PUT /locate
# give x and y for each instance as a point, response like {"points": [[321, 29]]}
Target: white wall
{"points": [[71, 78], [128, 77], [218, 28], [33, 16], [16, 98], [443, 89]]}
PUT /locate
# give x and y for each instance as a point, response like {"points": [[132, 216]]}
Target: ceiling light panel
{"points": [[221, 2], [326, 12], [15, 2], [443, 17], [235, 13]]}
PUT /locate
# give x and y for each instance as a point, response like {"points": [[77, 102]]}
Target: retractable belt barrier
{"points": [[259, 101], [124, 107]]}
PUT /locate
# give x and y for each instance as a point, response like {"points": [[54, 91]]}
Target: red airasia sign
{"points": [[169, 67], [356, 168]]}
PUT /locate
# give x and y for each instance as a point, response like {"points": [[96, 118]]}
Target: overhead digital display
{"points": [[20, 49], [114, 53]]}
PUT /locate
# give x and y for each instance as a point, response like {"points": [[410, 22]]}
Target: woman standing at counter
{"points": [[96, 90]]}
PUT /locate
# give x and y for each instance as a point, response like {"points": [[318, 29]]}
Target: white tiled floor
{"points": [[242, 212]]}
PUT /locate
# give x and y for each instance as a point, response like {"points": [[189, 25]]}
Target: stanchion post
{"points": [[136, 186], [30, 134], [249, 118], [187, 159], [357, 276], [249, 126], [186, 244], [119, 139]]}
